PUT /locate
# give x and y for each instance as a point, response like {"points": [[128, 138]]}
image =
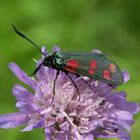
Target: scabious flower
{"points": [[96, 112]]}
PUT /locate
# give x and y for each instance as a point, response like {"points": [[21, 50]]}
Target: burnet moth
{"points": [[93, 65]]}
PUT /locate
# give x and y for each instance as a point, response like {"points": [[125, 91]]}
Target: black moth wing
{"points": [[102, 64]]}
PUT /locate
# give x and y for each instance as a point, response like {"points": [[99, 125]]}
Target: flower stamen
{"points": [[64, 113]]}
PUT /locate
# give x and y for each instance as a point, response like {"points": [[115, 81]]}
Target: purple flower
{"points": [[97, 112]]}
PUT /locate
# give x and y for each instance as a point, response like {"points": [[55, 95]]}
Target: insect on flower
{"points": [[93, 65]]}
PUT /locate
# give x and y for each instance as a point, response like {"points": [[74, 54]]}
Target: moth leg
{"points": [[73, 83], [83, 80], [54, 84], [36, 70], [86, 82]]}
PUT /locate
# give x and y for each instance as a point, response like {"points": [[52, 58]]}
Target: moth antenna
{"points": [[23, 36], [36, 70]]}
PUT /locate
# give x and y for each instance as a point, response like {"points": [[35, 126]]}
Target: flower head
{"points": [[96, 112]]}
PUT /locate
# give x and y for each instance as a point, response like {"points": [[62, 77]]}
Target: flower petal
{"points": [[123, 115], [121, 103], [123, 135], [21, 93], [122, 94], [25, 100], [22, 75], [49, 131], [124, 125], [126, 76], [34, 123], [43, 90], [12, 120], [56, 48], [44, 50]]}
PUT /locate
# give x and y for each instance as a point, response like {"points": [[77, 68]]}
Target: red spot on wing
{"points": [[91, 71], [72, 65], [106, 74], [93, 64], [92, 68], [112, 68]]}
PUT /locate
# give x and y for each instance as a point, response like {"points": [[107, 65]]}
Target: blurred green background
{"points": [[113, 26]]}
